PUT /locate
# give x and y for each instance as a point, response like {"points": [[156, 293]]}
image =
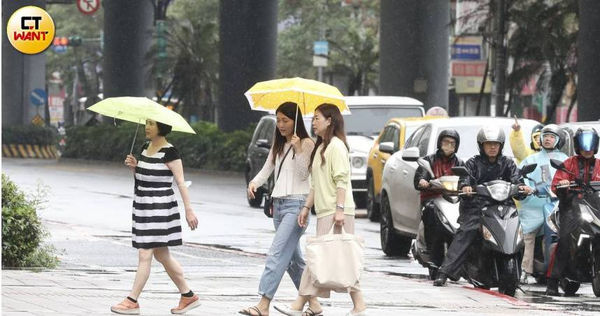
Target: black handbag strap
{"points": [[281, 165]]}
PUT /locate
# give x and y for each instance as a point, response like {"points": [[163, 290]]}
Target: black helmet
{"points": [[554, 130], [490, 134], [586, 138], [448, 133], [535, 131]]}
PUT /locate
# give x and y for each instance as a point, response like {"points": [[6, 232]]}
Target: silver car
{"points": [[400, 202]]}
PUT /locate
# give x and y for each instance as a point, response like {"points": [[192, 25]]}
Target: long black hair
{"points": [[288, 109], [336, 128]]}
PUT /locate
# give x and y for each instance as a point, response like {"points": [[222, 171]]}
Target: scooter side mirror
{"points": [[411, 154], [557, 164], [460, 171], [425, 165], [527, 169]]}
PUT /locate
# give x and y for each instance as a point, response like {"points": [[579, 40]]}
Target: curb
{"points": [[29, 151]]}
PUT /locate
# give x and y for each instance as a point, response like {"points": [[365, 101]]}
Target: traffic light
{"points": [[74, 41]]}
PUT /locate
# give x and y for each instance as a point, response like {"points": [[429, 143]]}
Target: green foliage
{"points": [[189, 69], [210, 148], [351, 30], [29, 134], [22, 230]]}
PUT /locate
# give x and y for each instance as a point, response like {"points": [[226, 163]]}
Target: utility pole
{"points": [[499, 88]]}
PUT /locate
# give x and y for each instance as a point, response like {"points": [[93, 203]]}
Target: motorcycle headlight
{"points": [[358, 162], [499, 191], [487, 235]]}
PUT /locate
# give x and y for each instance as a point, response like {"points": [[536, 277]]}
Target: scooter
{"points": [[545, 243], [585, 202], [494, 260], [446, 210]]}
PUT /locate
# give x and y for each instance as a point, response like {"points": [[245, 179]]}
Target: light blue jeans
{"points": [[284, 254]]}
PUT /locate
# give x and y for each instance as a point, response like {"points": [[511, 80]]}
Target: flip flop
{"points": [[248, 312], [310, 312]]}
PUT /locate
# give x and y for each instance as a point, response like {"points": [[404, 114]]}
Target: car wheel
{"points": [[392, 243], [373, 209]]}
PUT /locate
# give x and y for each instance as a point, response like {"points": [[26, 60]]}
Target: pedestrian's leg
{"points": [[172, 267], [142, 273], [358, 301]]}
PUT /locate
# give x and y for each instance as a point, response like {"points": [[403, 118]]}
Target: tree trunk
{"points": [[588, 60]]}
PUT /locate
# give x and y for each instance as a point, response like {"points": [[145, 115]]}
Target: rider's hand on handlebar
{"points": [[467, 190], [564, 182], [526, 189], [423, 184]]}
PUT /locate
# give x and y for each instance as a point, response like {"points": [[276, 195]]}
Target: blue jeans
{"points": [[284, 254]]}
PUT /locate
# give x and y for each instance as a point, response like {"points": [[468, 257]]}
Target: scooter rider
{"points": [[581, 166], [531, 209], [441, 163], [489, 165]]}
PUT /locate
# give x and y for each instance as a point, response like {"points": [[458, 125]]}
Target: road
{"points": [[88, 214]]}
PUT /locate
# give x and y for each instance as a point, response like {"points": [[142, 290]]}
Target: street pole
{"points": [[499, 90]]}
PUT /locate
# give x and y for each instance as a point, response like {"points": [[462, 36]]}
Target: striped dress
{"points": [[156, 220]]}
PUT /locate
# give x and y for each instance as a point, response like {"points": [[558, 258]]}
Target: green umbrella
{"points": [[140, 109]]}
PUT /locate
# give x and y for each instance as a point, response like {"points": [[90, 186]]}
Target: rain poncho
{"points": [[519, 148], [531, 209]]}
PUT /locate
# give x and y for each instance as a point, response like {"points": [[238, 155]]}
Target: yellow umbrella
{"points": [[138, 110], [308, 94]]}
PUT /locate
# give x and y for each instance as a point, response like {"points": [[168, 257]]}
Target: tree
{"points": [[350, 27], [186, 77], [84, 61]]}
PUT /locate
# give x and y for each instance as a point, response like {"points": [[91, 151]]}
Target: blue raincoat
{"points": [[531, 211]]}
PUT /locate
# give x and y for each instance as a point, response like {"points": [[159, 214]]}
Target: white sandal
{"points": [[288, 311]]}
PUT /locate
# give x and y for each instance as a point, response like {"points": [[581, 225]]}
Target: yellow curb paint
{"points": [[22, 151], [30, 151], [45, 152], [38, 153], [6, 151], [53, 153], [13, 150]]}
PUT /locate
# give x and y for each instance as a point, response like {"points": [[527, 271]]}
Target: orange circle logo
{"points": [[30, 30]]}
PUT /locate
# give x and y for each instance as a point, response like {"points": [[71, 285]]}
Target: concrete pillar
{"points": [[414, 50], [588, 61], [128, 29], [248, 43], [21, 73]]}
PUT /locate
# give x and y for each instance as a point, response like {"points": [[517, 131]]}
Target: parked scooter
{"points": [[446, 210], [495, 259], [585, 201]]}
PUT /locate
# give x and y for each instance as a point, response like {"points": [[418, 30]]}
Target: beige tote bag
{"points": [[335, 260]]}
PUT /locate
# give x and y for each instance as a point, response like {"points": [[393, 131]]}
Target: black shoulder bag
{"points": [[268, 208]]}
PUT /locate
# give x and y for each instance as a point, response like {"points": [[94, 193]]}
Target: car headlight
{"points": [[358, 162], [499, 191], [487, 235]]}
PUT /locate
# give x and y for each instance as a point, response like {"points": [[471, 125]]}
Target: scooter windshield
{"points": [[587, 141]]}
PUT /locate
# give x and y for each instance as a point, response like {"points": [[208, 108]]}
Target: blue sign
{"points": [[59, 49], [321, 48], [38, 97], [466, 51]]}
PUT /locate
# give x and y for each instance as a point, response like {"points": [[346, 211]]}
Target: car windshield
{"points": [[368, 121]]}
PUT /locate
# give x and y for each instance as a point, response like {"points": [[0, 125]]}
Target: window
{"points": [[388, 134], [424, 141], [413, 140]]}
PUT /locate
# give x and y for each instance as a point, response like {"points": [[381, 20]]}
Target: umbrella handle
{"points": [[134, 137]]}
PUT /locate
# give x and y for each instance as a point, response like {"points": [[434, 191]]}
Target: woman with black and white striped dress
{"points": [[156, 219]]}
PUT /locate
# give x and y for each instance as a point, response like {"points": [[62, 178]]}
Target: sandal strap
{"points": [[256, 309], [310, 312]]}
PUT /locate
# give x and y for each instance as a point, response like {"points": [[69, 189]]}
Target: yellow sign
{"points": [[30, 30], [37, 120], [471, 85]]}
